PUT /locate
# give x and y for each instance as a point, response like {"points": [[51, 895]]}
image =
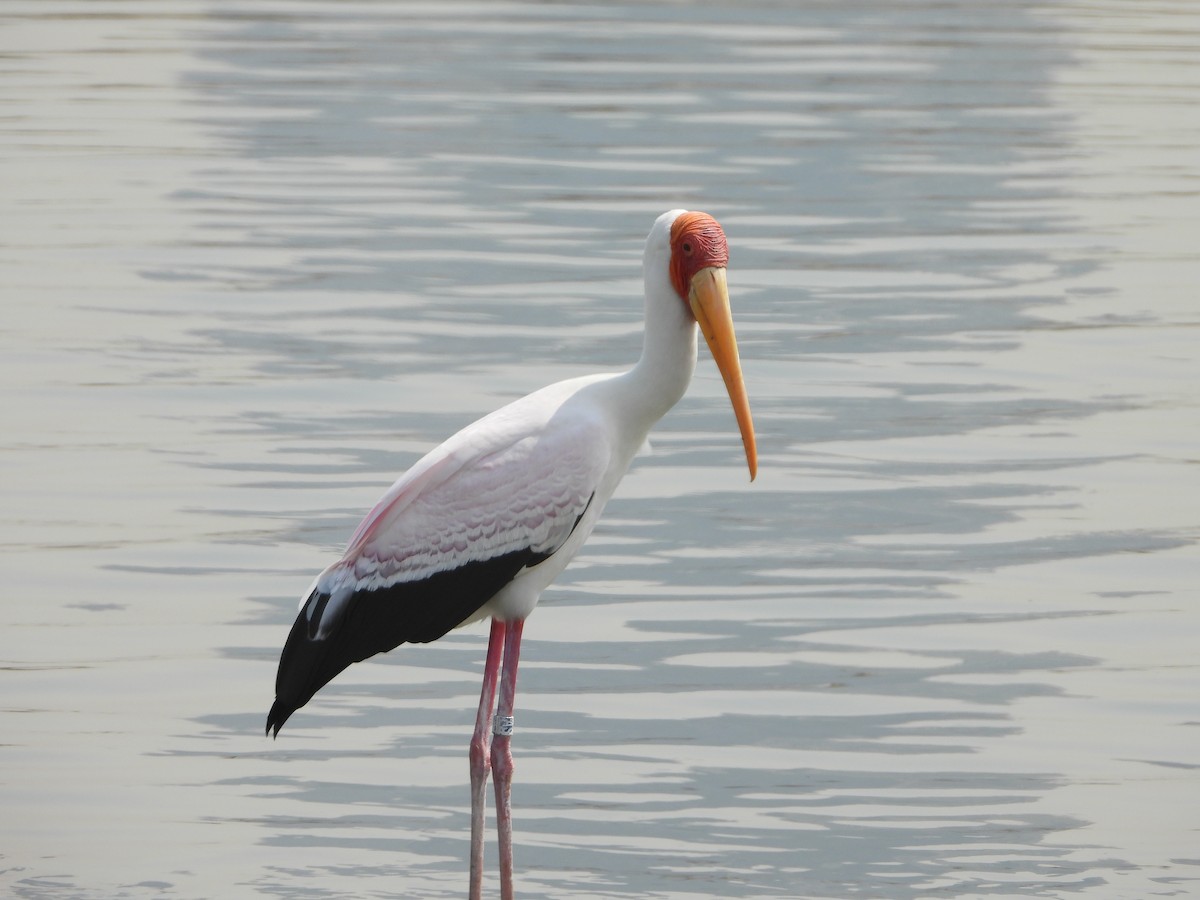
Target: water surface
{"points": [[256, 261]]}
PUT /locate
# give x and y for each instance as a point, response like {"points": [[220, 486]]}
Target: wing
{"points": [[501, 496]]}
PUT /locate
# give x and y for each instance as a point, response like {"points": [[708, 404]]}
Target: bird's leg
{"points": [[502, 761], [480, 748]]}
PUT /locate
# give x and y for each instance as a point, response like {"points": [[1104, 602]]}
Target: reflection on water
{"points": [[261, 260]]}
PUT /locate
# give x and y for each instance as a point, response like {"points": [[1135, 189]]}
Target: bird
{"points": [[481, 525]]}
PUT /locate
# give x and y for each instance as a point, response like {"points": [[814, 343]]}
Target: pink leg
{"points": [[502, 761], [480, 744]]}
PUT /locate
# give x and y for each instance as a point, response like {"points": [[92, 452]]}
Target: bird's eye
{"points": [[687, 247]]}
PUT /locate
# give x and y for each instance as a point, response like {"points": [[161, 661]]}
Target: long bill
{"points": [[709, 299]]}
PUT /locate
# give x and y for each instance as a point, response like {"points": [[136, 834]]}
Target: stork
{"points": [[481, 525]]}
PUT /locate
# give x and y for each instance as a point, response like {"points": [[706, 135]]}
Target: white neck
{"points": [[662, 375]]}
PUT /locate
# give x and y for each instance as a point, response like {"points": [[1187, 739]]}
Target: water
{"points": [[256, 260]]}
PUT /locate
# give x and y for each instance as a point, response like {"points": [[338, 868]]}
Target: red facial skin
{"points": [[697, 242]]}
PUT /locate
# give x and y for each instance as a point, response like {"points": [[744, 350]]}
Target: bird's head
{"points": [[699, 257]]}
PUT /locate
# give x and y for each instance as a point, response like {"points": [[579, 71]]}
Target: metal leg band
{"points": [[502, 725]]}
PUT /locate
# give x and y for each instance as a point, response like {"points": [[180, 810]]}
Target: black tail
{"points": [[305, 666], [371, 622]]}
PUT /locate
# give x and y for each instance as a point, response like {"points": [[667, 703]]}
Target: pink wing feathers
{"points": [[503, 485]]}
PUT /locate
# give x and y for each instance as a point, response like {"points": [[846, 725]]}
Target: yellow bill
{"points": [[708, 296]]}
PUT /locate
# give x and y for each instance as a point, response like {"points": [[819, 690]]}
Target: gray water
{"points": [[257, 258]]}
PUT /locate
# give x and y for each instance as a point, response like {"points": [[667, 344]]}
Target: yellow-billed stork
{"points": [[481, 525]]}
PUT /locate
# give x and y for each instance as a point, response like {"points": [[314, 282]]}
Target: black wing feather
{"points": [[379, 620]]}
